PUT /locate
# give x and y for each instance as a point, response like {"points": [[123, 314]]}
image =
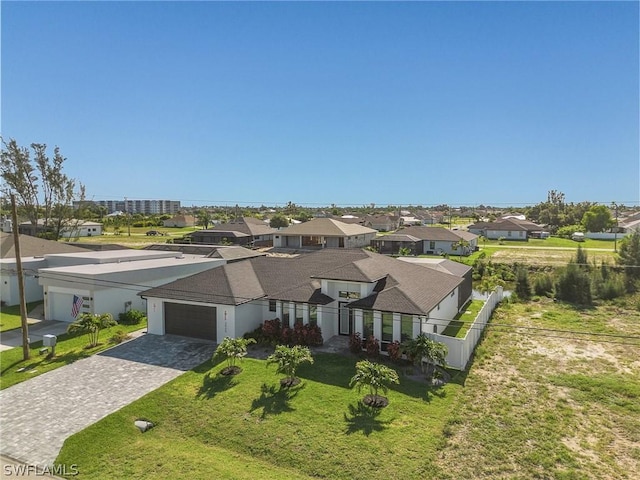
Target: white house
{"points": [[109, 281], [341, 291]]}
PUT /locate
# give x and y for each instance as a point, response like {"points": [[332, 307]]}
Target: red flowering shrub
{"points": [[394, 351], [372, 346], [355, 343]]}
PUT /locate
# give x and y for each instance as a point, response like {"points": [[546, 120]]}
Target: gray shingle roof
{"points": [[401, 287], [33, 246]]}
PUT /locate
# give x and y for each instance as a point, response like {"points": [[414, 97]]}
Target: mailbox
{"points": [[49, 340]]}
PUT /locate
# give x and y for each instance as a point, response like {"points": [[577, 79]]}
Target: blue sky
{"points": [[319, 103]]}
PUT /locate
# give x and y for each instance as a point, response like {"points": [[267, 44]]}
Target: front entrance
{"points": [[345, 319]]}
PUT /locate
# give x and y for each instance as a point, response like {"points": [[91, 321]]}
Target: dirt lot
{"points": [[547, 256], [543, 403]]}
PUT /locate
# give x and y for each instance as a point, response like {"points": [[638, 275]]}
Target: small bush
{"points": [[119, 337], [543, 285], [373, 347], [355, 343], [394, 351], [132, 317], [272, 330]]}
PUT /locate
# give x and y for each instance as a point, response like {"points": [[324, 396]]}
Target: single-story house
{"points": [[32, 250], [109, 281], [324, 233], [507, 229], [180, 221], [427, 240], [381, 223], [341, 291], [71, 228], [245, 231]]}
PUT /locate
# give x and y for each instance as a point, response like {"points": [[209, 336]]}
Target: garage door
{"points": [[190, 320]]}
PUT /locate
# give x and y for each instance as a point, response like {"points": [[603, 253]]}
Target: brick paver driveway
{"points": [[37, 416]]}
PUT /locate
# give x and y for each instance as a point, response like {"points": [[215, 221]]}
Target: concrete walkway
{"points": [[39, 414]]}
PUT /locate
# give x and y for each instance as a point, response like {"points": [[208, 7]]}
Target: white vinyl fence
{"points": [[460, 349]]}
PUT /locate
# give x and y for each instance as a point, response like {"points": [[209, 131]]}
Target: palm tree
{"points": [[232, 349], [91, 324], [462, 245], [423, 348], [288, 359], [375, 376]]}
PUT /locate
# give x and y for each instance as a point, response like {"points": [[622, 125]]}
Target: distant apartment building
{"points": [[146, 207]]}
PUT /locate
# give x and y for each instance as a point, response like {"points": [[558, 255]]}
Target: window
{"points": [[406, 327], [387, 327], [299, 313], [285, 314], [272, 305], [313, 315], [432, 245], [367, 323], [349, 295]]}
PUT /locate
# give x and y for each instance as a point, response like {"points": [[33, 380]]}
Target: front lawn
{"points": [[214, 426], [68, 350], [10, 318]]}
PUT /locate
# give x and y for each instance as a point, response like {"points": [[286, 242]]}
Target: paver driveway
{"points": [[37, 416]]}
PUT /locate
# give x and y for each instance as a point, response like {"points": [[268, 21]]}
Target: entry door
{"points": [[345, 320]]}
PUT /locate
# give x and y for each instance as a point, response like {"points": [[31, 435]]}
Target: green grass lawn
{"points": [[68, 350], [10, 316], [212, 426], [459, 326], [535, 404]]}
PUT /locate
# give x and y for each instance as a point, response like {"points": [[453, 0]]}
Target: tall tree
{"points": [[629, 257], [42, 188], [597, 219]]}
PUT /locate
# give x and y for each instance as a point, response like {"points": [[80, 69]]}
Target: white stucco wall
{"points": [[440, 316], [10, 291]]}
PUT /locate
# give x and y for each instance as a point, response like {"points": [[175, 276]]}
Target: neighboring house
{"points": [[381, 223], [341, 291], [427, 240], [246, 231], [392, 244], [82, 229], [508, 229], [629, 227], [72, 228], [32, 252], [324, 233], [108, 282], [180, 221]]}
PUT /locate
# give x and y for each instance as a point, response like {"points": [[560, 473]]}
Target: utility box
{"points": [[49, 340]]}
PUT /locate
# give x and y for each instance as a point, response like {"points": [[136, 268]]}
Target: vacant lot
{"points": [[540, 403], [537, 403]]}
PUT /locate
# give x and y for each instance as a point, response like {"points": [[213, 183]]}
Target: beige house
{"points": [[324, 233], [180, 221]]}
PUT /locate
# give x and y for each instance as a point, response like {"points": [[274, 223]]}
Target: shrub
{"points": [[355, 343], [272, 330], [309, 335], [119, 337], [394, 351], [372, 346], [543, 285], [132, 317]]}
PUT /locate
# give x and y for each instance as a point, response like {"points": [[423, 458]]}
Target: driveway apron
{"points": [[38, 415]]}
